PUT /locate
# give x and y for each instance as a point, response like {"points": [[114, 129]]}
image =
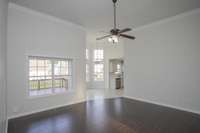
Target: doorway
{"points": [[116, 74]]}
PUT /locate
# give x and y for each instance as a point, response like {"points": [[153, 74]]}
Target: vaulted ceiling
{"points": [[98, 14]]}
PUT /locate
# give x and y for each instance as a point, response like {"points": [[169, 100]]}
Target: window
{"points": [[87, 65], [49, 75], [87, 54], [118, 68], [98, 55], [98, 65], [99, 72], [87, 73]]}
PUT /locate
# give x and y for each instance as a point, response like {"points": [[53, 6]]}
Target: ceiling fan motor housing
{"points": [[114, 31]]}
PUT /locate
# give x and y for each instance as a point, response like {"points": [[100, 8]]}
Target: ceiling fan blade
{"points": [[100, 38], [125, 30], [128, 36]]}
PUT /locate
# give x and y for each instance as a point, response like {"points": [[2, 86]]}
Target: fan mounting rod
{"points": [[115, 21], [114, 1]]}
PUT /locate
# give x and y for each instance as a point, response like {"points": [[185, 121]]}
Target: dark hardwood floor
{"points": [[118, 115]]}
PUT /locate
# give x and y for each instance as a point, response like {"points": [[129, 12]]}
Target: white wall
{"points": [[110, 52], [33, 33], [163, 64], [3, 25]]}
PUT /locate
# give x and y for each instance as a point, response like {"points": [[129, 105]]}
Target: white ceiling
{"points": [[97, 15]]}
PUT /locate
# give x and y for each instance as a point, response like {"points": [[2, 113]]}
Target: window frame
{"points": [[70, 90]]}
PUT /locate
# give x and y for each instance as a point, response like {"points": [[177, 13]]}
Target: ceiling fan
{"points": [[115, 33]]}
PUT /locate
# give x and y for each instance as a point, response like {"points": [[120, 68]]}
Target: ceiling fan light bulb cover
{"points": [[113, 39], [110, 39]]}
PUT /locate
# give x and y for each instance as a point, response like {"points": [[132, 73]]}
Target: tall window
{"points": [[87, 73], [98, 55], [98, 65], [98, 72], [49, 75], [87, 54], [87, 65]]}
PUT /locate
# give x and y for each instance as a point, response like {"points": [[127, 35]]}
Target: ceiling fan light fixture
{"points": [[115, 33], [110, 39], [113, 39]]}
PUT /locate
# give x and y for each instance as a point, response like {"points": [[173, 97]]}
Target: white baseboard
{"points": [[46, 109], [162, 104]]}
